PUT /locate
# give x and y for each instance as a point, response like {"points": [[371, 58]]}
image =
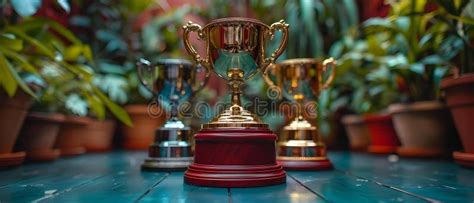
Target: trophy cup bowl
{"points": [[172, 81], [235, 149], [300, 80]]}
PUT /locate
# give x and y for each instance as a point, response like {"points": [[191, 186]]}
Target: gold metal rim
{"points": [[301, 158], [234, 125], [234, 20], [295, 61], [291, 128], [309, 145]]}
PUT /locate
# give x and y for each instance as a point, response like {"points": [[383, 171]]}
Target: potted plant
{"points": [[421, 50], [69, 80], [86, 106], [85, 128], [365, 87], [458, 88], [17, 47], [72, 90]]}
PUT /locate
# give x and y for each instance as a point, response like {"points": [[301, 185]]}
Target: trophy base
{"points": [[298, 150], [305, 163], [171, 150], [235, 157], [166, 163]]}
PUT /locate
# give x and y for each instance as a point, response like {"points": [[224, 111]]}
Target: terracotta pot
{"points": [[357, 132], [12, 114], [383, 138], [423, 128], [38, 136], [141, 135], [460, 100], [459, 93], [71, 135], [99, 135]]}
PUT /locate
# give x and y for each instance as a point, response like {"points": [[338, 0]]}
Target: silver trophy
{"points": [[172, 81]]}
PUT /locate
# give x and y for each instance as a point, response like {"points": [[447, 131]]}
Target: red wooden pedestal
{"points": [[234, 157]]}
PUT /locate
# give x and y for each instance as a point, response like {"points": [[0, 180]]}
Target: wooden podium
{"points": [[235, 157]]}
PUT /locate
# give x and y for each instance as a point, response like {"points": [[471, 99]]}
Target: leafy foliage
{"points": [[37, 46], [423, 44], [108, 26], [314, 25], [459, 17], [363, 83]]}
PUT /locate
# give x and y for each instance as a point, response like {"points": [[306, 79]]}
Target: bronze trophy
{"points": [[235, 149], [301, 80], [172, 81]]}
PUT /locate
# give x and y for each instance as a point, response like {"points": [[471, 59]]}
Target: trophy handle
{"points": [[326, 62], [204, 82], [271, 84], [278, 26], [193, 27], [140, 65]]}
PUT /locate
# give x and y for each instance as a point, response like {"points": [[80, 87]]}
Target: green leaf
{"points": [[118, 111], [13, 79], [433, 60], [8, 81], [87, 52], [377, 25], [84, 72], [418, 68], [20, 60], [25, 7], [41, 47], [73, 52], [96, 105], [438, 75], [63, 31], [11, 42]]}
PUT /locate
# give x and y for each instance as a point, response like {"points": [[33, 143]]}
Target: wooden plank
{"points": [[432, 179], [33, 170], [121, 186], [45, 186], [60, 175], [292, 191], [172, 189], [67, 175], [336, 186]]}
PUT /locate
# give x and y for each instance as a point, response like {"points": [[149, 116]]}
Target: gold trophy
{"points": [[172, 81], [301, 80], [235, 149]]}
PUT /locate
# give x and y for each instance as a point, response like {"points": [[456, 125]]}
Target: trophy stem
{"points": [[174, 110], [299, 110], [236, 82]]}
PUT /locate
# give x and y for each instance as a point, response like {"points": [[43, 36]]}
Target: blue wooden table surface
{"points": [[357, 177]]}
